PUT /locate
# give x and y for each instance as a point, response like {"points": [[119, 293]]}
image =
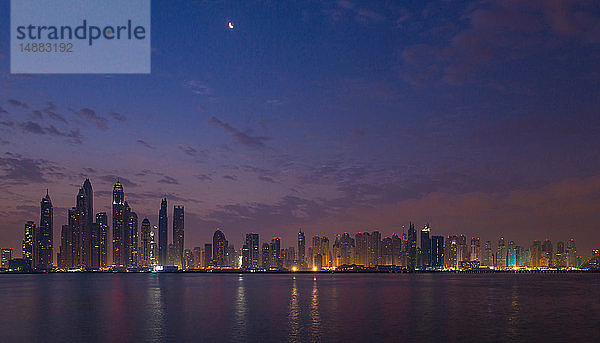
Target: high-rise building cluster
{"points": [[85, 245]]}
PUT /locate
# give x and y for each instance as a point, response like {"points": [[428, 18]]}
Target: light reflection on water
{"points": [[299, 307], [294, 314]]}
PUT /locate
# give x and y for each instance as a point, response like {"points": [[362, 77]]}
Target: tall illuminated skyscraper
{"points": [[437, 252], [361, 248], [44, 240], [571, 251], [130, 237], [275, 249], [475, 248], [501, 254], [252, 242], [102, 224], [219, 249], [178, 235], [118, 205], [301, 250], [145, 243], [65, 249], [488, 254], [163, 245], [412, 247], [28, 241], [85, 206], [425, 247]]}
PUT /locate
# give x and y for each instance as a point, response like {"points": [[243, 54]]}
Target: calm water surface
{"points": [[306, 308]]}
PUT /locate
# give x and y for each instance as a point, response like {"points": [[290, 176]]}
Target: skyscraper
{"points": [[131, 236], [5, 256], [488, 255], [85, 207], [75, 239], [44, 240], [219, 249], [208, 257], [153, 249], [275, 249], [425, 247], [301, 250], [437, 252], [145, 243], [501, 254], [571, 251], [412, 247], [536, 254], [361, 248], [547, 259], [102, 223], [28, 241], [118, 224], [178, 234], [266, 256], [65, 257], [252, 243], [162, 233], [475, 247], [451, 252]]}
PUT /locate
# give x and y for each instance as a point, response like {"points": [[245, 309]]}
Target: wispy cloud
{"points": [[168, 180], [241, 137], [91, 115], [145, 144], [74, 136], [18, 103], [197, 87]]}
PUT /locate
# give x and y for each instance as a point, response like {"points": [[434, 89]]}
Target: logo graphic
{"points": [[80, 36]]}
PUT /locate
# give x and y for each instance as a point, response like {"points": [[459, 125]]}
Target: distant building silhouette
{"points": [[162, 233], [178, 235], [118, 206], [43, 240], [219, 246]]}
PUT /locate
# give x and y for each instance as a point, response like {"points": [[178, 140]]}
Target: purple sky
{"points": [[478, 117]]}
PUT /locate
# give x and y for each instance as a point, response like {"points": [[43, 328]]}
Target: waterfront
{"points": [[182, 307]]}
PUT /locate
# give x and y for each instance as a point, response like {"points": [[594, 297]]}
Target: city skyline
{"points": [[330, 116], [85, 243]]}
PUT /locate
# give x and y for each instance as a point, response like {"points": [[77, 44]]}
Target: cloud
{"points": [[18, 103], [168, 180], [2, 110], [204, 177], [361, 14], [188, 150], [230, 177], [239, 136], [502, 32], [197, 87], [91, 115], [17, 169], [56, 116], [74, 136], [144, 144], [266, 179], [117, 116]]}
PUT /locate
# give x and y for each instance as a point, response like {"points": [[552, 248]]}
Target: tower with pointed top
{"points": [[162, 233], [43, 258], [118, 206]]}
